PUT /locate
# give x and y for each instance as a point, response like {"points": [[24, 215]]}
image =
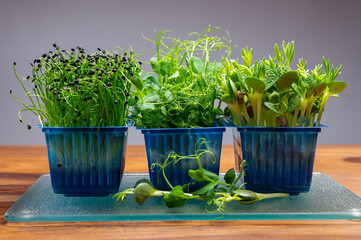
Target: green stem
{"points": [[303, 105], [245, 113], [253, 101], [158, 59], [295, 115], [166, 179], [259, 105], [235, 109], [224, 184], [309, 109], [323, 103], [31, 99], [272, 195]]}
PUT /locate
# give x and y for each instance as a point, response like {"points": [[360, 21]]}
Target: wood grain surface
{"points": [[21, 166]]}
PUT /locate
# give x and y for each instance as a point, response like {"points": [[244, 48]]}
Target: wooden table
{"points": [[20, 167]]}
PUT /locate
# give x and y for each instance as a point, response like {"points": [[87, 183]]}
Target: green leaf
{"points": [[286, 80], [143, 180], [197, 175], [132, 101], [168, 96], [151, 82], [213, 69], [336, 86], [205, 188], [271, 78], [202, 176], [292, 104], [232, 89], [235, 77], [296, 89], [145, 107], [176, 197], [164, 111], [162, 68], [202, 82], [227, 99], [135, 112], [154, 64], [319, 89], [273, 107], [230, 176], [183, 73], [152, 97], [211, 175], [278, 54], [197, 65], [256, 84], [137, 82], [209, 195]]}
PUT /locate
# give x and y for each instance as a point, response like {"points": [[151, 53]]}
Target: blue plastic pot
{"points": [[278, 159], [160, 142], [86, 161]]}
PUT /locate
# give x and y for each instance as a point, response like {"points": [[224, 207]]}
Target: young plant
{"points": [[270, 94], [182, 90], [216, 193], [76, 89]]}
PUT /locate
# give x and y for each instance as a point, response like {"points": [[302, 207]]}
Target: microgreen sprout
{"points": [[269, 93], [76, 89], [182, 90], [215, 193]]}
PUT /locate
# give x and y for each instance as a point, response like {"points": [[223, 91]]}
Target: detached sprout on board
{"points": [[216, 193]]}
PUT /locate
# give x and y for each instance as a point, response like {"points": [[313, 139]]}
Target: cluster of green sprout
{"points": [[183, 88], [76, 89], [269, 93]]}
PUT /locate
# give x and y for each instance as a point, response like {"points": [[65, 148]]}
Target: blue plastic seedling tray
{"points": [[326, 200]]}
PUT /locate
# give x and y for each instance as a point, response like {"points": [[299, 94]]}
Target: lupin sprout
{"points": [[270, 94], [76, 89]]}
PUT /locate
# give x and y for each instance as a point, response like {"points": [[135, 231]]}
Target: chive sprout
{"points": [[76, 89]]}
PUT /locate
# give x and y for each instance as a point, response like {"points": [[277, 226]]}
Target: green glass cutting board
{"points": [[326, 200]]}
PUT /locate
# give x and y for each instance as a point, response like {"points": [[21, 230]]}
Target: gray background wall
{"points": [[320, 28]]}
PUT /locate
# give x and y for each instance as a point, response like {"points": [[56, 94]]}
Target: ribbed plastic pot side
{"points": [[278, 159], [86, 161], [160, 142]]}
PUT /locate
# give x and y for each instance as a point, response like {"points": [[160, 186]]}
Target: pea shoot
{"points": [[182, 90], [215, 193], [76, 89], [268, 93]]}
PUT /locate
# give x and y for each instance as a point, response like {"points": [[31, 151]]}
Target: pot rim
{"points": [[280, 129], [182, 130], [83, 129]]}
